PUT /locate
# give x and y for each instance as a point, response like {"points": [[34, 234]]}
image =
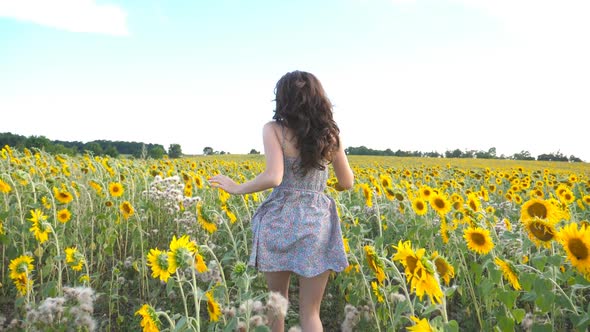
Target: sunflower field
{"points": [[103, 244]]}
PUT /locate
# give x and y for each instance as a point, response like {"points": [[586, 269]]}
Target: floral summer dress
{"points": [[297, 227]]}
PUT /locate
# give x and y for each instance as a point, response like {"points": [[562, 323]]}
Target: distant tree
{"points": [[174, 151], [111, 151], [93, 147], [492, 152], [208, 150], [156, 151], [575, 159], [253, 151], [432, 154], [453, 154], [39, 142], [522, 155]]}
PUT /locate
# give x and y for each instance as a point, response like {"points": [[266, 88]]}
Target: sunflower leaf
{"points": [[518, 314]]}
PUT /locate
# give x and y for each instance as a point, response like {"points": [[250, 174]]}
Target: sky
{"points": [[413, 75]]}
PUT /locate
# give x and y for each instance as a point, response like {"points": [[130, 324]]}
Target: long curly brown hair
{"points": [[302, 106]]}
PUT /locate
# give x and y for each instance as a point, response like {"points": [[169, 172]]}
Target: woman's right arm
{"points": [[342, 170]]}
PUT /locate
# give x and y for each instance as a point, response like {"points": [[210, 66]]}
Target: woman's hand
{"points": [[225, 183]]}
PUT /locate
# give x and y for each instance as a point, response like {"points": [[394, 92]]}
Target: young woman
{"points": [[296, 229]]}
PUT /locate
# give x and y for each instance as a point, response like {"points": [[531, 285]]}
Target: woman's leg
{"points": [[311, 292], [278, 282]]}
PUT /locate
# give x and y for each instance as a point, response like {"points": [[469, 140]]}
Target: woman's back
{"points": [[293, 177]]}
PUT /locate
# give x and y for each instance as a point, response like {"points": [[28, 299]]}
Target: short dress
{"points": [[297, 227]]}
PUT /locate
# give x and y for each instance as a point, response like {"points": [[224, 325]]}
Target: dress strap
{"points": [[283, 138]]}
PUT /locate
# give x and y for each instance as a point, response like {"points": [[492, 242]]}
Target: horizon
{"points": [[410, 75], [223, 152]]}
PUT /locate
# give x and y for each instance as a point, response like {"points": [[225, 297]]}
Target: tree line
{"points": [[157, 151], [457, 153], [97, 147]]}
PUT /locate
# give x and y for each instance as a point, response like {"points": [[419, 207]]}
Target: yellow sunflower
{"points": [[377, 292], [200, 264], [64, 215], [509, 272], [368, 193], [127, 209], [478, 240], [203, 220], [419, 206], [539, 208], [457, 201], [387, 188], [149, 319], [375, 263], [63, 196], [158, 261], [444, 269], [116, 189], [40, 228], [576, 243], [473, 202], [181, 252], [420, 272], [23, 284], [566, 195], [540, 231], [96, 186], [45, 203], [406, 256], [22, 265], [5, 188], [440, 204], [74, 258], [425, 192], [421, 325], [212, 307]]}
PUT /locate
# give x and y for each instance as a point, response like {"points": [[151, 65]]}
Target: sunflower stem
{"points": [[575, 309], [368, 287], [470, 287], [178, 278]]}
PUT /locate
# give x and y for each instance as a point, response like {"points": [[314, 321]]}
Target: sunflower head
{"points": [[213, 307], [444, 269], [540, 231], [116, 189], [440, 204], [478, 240], [576, 243], [539, 208], [419, 206]]}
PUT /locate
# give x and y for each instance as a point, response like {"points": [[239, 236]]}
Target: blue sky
{"points": [[405, 74]]}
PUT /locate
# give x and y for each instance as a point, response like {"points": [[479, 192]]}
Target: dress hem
{"points": [[299, 273]]}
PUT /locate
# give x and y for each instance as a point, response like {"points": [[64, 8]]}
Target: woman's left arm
{"points": [[269, 178]]}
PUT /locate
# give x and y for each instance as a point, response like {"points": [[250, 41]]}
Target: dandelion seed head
{"points": [[277, 304]]}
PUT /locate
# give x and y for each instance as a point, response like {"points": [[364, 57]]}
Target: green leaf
{"points": [[542, 328], [539, 262], [451, 326], [529, 296], [508, 298], [506, 323], [545, 301], [518, 314], [555, 260], [231, 325], [180, 325]]}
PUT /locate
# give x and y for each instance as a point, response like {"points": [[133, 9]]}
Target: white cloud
{"points": [[71, 15]]}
